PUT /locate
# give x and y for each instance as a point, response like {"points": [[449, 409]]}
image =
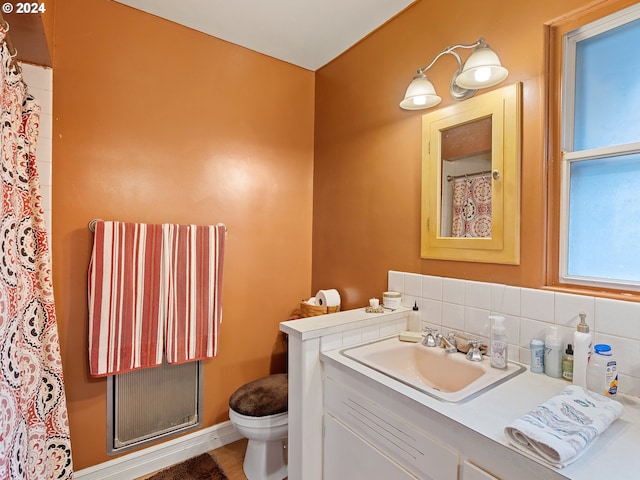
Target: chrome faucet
{"points": [[448, 342], [474, 354], [429, 339]]}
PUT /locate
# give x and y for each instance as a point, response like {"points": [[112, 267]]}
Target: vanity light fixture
{"points": [[481, 70]]}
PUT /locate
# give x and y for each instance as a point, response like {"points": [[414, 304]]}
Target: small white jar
{"points": [[391, 299]]}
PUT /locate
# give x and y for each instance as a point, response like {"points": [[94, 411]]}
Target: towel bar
{"points": [[92, 225]]}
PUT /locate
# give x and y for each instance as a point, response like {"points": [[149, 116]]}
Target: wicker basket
{"points": [[307, 310]]}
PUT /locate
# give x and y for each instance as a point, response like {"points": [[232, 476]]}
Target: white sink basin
{"points": [[449, 377]]}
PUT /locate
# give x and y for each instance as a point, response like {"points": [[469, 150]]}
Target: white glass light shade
{"points": [[482, 69], [420, 94]]}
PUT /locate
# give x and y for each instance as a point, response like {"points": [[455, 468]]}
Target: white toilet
{"points": [[258, 410]]}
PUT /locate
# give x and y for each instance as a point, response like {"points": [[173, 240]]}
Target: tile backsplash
{"points": [[463, 305], [39, 82]]}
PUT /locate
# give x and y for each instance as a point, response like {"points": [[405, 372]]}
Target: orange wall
{"points": [[367, 170], [157, 123]]}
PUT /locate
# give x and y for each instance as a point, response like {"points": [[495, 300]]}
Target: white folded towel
{"points": [[561, 429]]}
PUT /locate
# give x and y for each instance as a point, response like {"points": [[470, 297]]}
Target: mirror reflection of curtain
{"points": [[471, 206]]}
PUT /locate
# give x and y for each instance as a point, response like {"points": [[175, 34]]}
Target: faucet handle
{"points": [[474, 354], [429, 339]]}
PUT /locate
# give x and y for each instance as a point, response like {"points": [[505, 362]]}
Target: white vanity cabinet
{"points": [[372, 431], [363, 440], [347, 421], [347, 455], [468, 471]]}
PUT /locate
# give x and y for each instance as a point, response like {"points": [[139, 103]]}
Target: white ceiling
{"points": [[308, 33]]}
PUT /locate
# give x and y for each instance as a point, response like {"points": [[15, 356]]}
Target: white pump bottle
{"points": [[499, 345], [582, 340]]}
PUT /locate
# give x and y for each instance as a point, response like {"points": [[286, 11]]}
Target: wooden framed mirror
{"points": [[471, 179]]}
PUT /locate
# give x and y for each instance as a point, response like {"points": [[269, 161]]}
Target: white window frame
{"points": [[569, 155]]}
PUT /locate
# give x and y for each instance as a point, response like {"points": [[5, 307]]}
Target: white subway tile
{"points": [[531, 329], [497, 296], [453, 316], [431, 311], [524, 355], [568, 306], [45, 191], [413, 284], [330, 342], [512, 326], [389, 328], [629, 385], [476, 321], [409, 301], [44, 172], [352, 337], [395, 281], [432, 287], [36, 76], [453, 291], [511, 301], [537, 304], [617, 317], [477, 295], [47, 219], [44, 151], [370, 333], [42, 97], [46, 124], [566, 334]]}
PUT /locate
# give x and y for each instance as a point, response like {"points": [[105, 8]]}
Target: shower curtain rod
{"points": [[453, 177], [12, 50]]}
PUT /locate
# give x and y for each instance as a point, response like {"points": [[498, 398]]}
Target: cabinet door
{"points": [[390, 435], [347, 455], [470, 472]]}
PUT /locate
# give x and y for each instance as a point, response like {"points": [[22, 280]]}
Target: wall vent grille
{"points": [[150, 404]]}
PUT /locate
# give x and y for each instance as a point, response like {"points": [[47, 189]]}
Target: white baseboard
{"points": [[146, 461]]}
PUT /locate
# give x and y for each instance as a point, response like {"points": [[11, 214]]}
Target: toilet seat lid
{"points": [[262, 397]]}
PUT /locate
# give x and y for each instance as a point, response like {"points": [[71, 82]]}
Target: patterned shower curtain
{"points": [[471, 206], [34, 429]]}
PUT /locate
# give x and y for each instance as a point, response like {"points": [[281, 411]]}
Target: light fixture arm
{"points": [[451, 50]]}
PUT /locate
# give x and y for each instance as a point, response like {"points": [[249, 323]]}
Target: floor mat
{"points": [[202, 467]]}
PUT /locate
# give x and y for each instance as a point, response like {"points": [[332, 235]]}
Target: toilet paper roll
{"points": [[328, 298]]}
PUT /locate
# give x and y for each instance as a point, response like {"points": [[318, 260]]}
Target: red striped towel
{"points": [[148, 279], [126, 289], [194, 310]]}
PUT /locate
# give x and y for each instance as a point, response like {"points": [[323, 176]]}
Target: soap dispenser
{"points": [[498, 342], [581, 351]]}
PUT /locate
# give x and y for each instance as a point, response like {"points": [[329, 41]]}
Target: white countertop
{"points": [[322, 325], [614, 454]]}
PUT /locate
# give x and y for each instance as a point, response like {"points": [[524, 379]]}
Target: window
{"points": [[597, 176]]}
